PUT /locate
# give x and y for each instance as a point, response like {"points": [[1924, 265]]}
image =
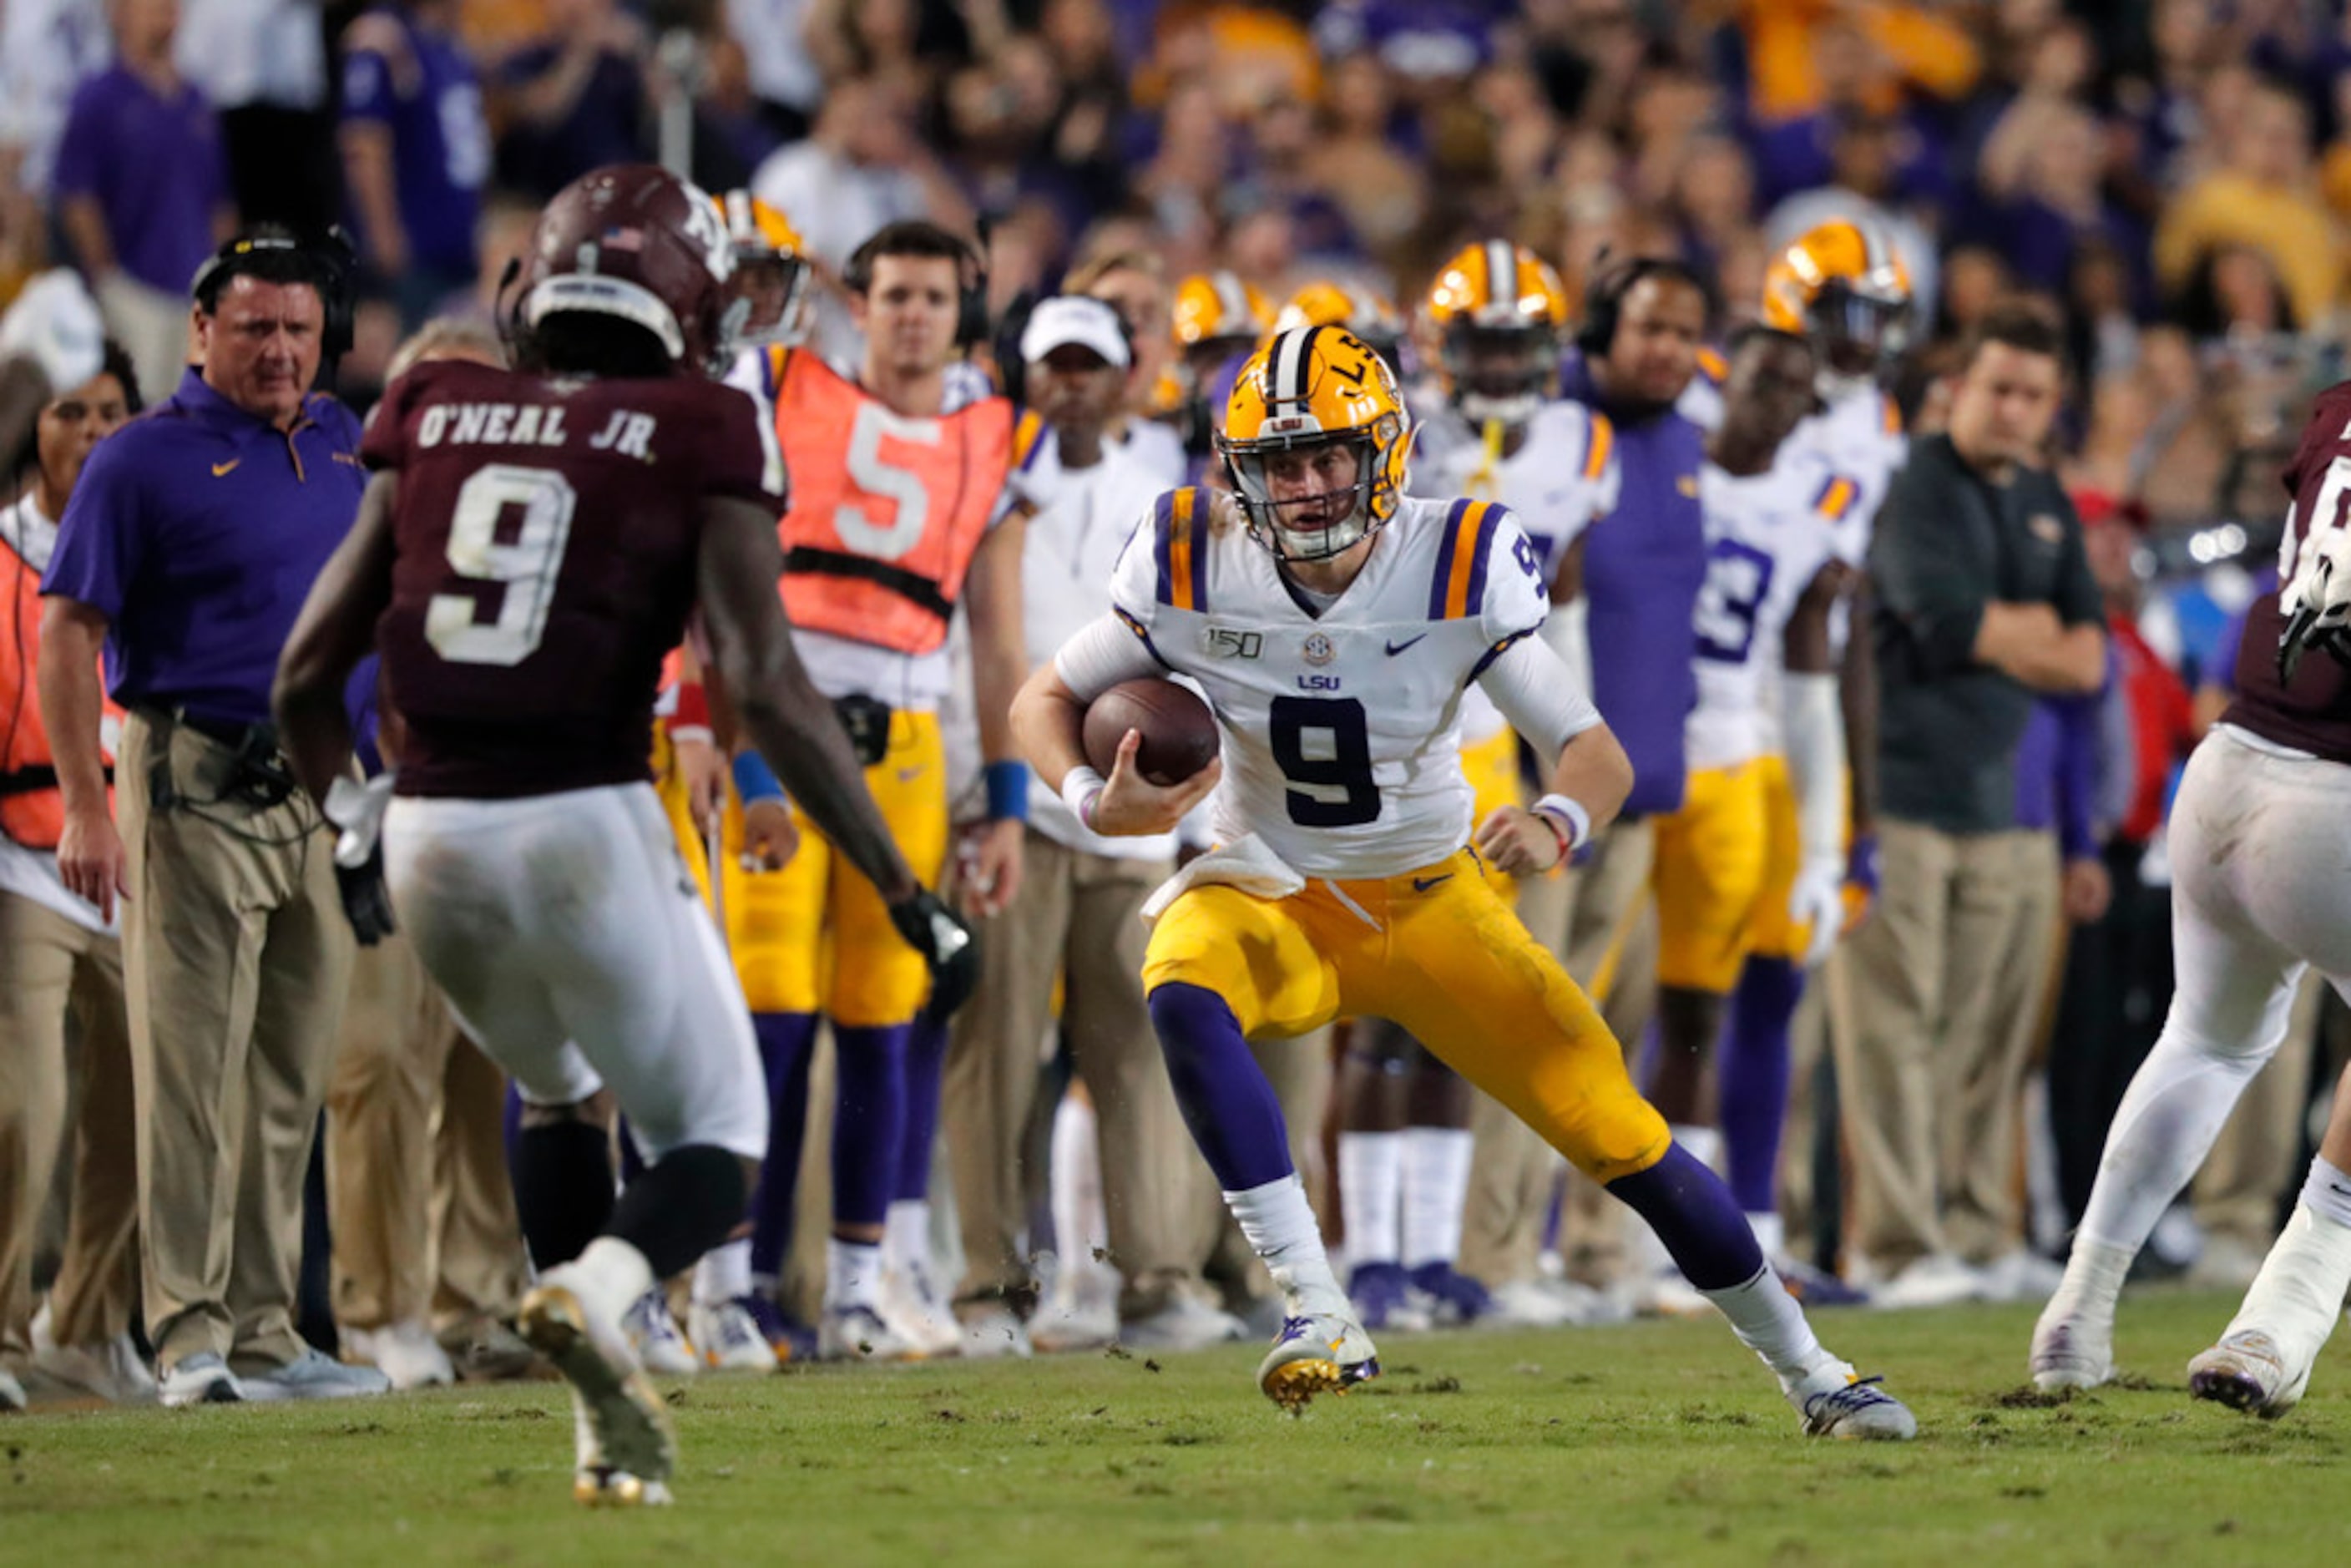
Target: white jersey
{"points": [[1767, 536], [1340, 731], [1858, 435], [1563, 479]]}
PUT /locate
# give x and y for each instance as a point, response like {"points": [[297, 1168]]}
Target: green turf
{"points": [[1658, 1443]]}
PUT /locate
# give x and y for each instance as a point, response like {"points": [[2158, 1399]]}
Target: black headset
{"points": [[1604, 299], [971, 272], [332, 262]]}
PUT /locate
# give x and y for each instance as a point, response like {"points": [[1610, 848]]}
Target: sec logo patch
{"points": [[1318, 649]]}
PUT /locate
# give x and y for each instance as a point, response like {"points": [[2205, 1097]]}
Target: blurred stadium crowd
{"points": [[2172, 177]]}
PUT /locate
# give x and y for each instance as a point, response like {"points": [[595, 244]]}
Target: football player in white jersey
{"points": [[1334, 623], [1492, 326], [1754, 859]]}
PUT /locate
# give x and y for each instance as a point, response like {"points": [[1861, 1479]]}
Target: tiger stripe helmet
{"points": [[1328, 302], [1843, 286], [770, 265], [1498, 313], [1310, 389], [1213, 307]]}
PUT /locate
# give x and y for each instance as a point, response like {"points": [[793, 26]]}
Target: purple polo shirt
{"points": [[155, 167], [420, 84], [196, 529], [1643, 566]]}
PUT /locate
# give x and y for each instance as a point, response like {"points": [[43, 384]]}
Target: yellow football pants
{"points": [[1438, 952], [1726, 866]]}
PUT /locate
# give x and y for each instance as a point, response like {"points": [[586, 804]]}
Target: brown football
{"points": [[1179, 733]]}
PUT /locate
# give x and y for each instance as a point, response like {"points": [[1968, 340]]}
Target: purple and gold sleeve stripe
{"points": [[1836, 497], [1180, 551], [1142, 635], [1026, 440], [1458, 586], [1596, 455]]}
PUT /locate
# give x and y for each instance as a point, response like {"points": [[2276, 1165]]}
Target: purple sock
{"points": [[926, 1060], [1692, 1213], [785, 1039], [871, 1121], [511, 1121], [1228, 1103], [1753, 1068]]}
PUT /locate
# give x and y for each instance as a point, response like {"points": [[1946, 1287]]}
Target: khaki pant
{"points": [[237, 960], [1078, 916], [1947, 979], [2253, 1162], [1592, 919], [417, 1177], [48, 966]]}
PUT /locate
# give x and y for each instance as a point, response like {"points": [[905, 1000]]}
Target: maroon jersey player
{"points": [[2259, 833], [530, 547]]}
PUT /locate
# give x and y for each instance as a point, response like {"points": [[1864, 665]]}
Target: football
{"points": [[1179, 733]]}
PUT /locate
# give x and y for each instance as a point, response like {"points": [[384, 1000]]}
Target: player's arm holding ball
{"points": [[1532, 686]]}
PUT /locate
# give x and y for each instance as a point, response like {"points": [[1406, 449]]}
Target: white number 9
{"points": [[527, 567]]}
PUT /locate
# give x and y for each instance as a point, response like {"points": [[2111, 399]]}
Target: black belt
{"points": [[227, 731]]}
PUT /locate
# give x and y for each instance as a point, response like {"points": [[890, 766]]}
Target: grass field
{"points": [[1659, 1443]]}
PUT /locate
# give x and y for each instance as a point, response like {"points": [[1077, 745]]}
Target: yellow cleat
{"points": [[626, 1447], [1316, 1355]]}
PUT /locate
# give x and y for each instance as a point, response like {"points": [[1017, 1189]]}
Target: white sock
{"points": [[1371, 1196], [853, 1274], [724, 1273], [1703, 1144], [1080, 1222], [1280, 1225], [1770, 1234], [610, 1276], [1768, 1321], [906, 1236], [2095, 1272], [1435, 1185], [2175, 1107], [2299, 1289]]}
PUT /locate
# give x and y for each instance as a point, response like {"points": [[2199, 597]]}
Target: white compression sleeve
{"points": [[1102, 655], [1568, 632], [1814, 728], [1537, 693]]}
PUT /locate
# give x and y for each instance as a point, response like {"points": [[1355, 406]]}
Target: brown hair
{"points": [[2024, 324]]}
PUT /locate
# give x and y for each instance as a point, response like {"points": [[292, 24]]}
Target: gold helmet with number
{"points": [[1327, 302], [1313, 392], [1843, 286], [771, 272], [1498, 313]]}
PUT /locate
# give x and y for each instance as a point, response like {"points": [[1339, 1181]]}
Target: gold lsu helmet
{"points": [[1843, 286], [1328, 302], [1219, 307], [771, 272], [1311, 389], [1498, 313]]}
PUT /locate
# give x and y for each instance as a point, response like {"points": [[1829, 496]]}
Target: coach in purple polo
{"points": [[186, 552]]}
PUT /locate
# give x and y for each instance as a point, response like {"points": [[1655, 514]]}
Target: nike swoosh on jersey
{"points": [[1423, 883], [220, 470], [1396, 648]]}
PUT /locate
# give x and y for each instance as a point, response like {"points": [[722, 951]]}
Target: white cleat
{"points": [[405, 1352], [1834, 1403], [200, 1379], [1322, 1354], [911, 1302], [727, 1338], [313, 1376], [993, 1333], [112, 1370], [2246, 1371], [861, 1334], [655, 1339], [627, 1450], [1183, 1323], [2071, 1350]]}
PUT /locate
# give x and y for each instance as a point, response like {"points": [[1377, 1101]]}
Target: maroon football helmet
{"points": [[633, 241]]}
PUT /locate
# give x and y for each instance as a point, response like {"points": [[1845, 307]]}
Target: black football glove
{"points": [[947, 944], [367, 903]]}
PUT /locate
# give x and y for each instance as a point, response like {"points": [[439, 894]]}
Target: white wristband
{"points": [[1572, 813], [1080, 785]]}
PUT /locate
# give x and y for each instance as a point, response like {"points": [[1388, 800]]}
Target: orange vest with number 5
{"points": [[886, 510]]}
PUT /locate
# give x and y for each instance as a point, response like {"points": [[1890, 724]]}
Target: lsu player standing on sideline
{"points": [[1842, 287], [1333, 625], [1218, 319], [523, 846], [1754, 860], [2257, 843], [896, 473], [1495, 319]]}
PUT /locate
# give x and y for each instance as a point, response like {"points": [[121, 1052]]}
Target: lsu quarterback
{"points": [[1334, 622]]}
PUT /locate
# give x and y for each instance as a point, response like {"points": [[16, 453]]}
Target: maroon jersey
{"points": [[2313, 714], [545, 534]]}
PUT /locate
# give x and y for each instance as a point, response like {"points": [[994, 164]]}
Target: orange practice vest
{"points": [[887, 511], [32, 812]]}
